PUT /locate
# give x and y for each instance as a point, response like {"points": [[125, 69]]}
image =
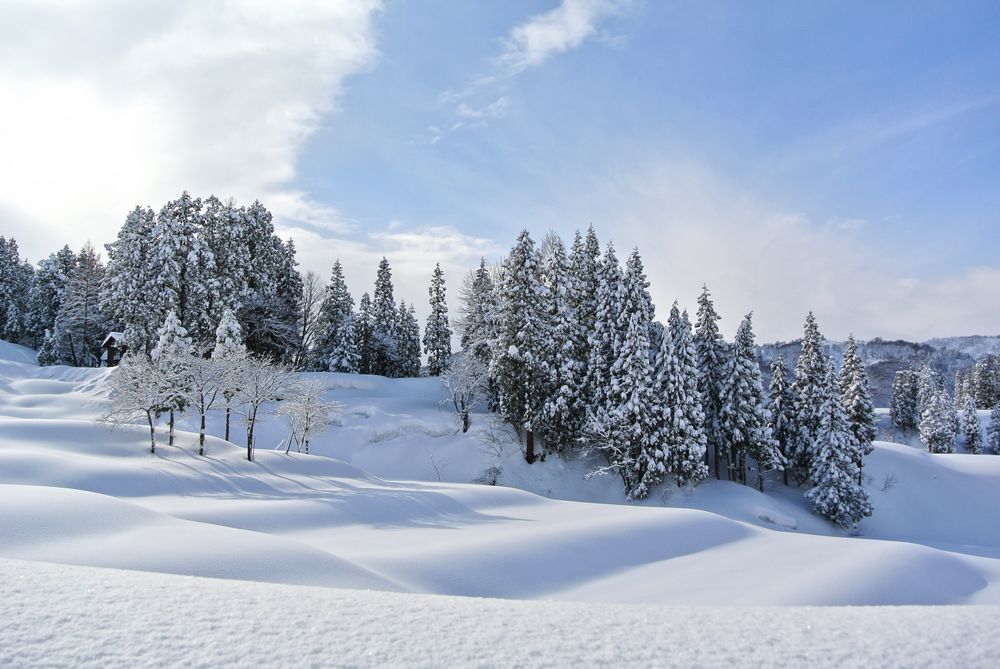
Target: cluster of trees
{"points": [[176, 377], [200, 258], [571, 355], [921, 402]]}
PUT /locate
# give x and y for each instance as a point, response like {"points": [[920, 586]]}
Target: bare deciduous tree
{"points": [[465, 380], [137, 393], [260, 382], [307, 413]]}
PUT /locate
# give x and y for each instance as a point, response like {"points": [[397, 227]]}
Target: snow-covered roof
{"points": [[117, 336]]}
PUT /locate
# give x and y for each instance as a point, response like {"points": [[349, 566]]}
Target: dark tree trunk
{"points": [[465, 422], [529, 454], [717, 474], [201, 436], [250, 423], [229, 412], [152, 433], [170, 437]]}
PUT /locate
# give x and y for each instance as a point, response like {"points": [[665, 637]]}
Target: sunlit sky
{"points": [[842, 157]]}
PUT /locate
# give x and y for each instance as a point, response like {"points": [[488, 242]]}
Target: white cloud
{"points": [[111, 104], [694, 226]]}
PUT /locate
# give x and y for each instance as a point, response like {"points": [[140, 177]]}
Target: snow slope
{"points": [[56, 615], [74, 494]]}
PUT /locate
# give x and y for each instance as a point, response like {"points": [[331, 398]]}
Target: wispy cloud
{"points": [[527, 45]]}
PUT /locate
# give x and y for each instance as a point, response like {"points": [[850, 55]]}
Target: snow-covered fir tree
{"points": [[224, 232], [384, 338], [676, 390], [407, 346], [519, 367], [743, 418], [836, 493], [81, 326], [582, 295], [563, 412], [809, 394], [437, 333], [48, 291], [478, 314], [228, 356], [856, 394], [363, 332], [712, 357], [970, 422], [337, 309], [128, 293], [993, 429], [344, 356], [172, 357], [904, 410], [780, 410], [604, 336], [16, 279], [937, 426]]}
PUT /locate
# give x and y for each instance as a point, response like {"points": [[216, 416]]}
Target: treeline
{"points": [[921, 403], [574, 358]]}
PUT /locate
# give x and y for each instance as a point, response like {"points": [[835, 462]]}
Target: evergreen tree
{"points": [[363, 331], [80, 326], [519, 368], [563, 412], [856, 394], [743, 418], [582, 295], [605, 334], [973, 432], [344, 357], [937, 428], [48, 292], [993, 430], [712, 357], [224, 231], [809, 393], [836, 494], [904, 407], [16, 278], [437, 333], [172, 357], [336, 310], [679, 410], [384, 338], [407, 345], [478, 316], [780, 410], [128, 294]]}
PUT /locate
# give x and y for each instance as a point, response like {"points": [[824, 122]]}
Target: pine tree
{"points": [[676, 390], [228, 354], [973, 432], [48, 291], [563, 412], [224, 231], [780, 410], [937, 428], [743, 418], [16, 278], [337, 308], [993, 430], [856, 394], [808, 391], [833, 467], [583, 290], [344, 357], [712, 357], [384, 319], [363, 331], [407, 345], [903, 408], [80, 327], [437, 333], [128, 294], [636, 414], [519, 367], [171, 356], [478, 314], [605, 334]]}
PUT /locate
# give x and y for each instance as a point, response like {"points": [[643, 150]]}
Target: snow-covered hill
{"points": [[385, 502]]}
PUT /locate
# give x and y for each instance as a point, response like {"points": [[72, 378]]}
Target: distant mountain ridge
{"points": [[885, 357]]}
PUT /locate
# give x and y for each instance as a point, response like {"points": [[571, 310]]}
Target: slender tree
{"points": [[973, 432], [856, 394], [780, 410], [437, 333], [712, 356]]}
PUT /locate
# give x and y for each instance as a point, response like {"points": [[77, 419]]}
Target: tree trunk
{"points": [[760, 479], [250, 423], [306, 439], [170, 437], [152, 432], [465, 422], [529, 454], [201, 435], [229, 412], [716, 449]]}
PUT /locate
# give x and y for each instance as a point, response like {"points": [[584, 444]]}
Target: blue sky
{"points": [[843, 157]]}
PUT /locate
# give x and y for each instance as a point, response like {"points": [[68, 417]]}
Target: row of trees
{"points": [[573, 356], [920, 402], [175, 377], [981, 383]]}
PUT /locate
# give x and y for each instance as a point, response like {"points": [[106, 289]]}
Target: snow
{"points": [[385, 504]]}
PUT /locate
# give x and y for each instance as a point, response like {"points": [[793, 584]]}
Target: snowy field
{"points": [[386, 503]]}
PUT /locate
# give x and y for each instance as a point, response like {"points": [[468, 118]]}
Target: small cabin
{"points": [[112, 349]]}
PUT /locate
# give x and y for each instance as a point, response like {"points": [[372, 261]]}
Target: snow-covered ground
{"points": [[385, 502]]}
